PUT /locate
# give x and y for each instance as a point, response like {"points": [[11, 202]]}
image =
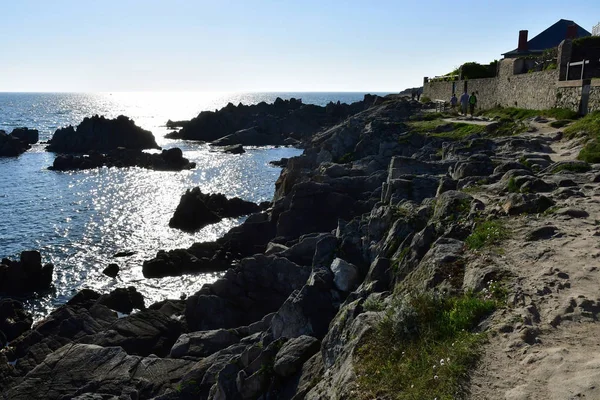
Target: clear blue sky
{"points": [[259, 45]]}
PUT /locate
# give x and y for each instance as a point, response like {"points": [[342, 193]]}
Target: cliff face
{"points": [[387, 234]]}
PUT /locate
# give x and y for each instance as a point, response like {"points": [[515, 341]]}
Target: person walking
{"points": [[472, 103], [464, 102], [453, 101]]}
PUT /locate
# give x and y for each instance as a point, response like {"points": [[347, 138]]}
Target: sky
{"points": [[259, 45]]}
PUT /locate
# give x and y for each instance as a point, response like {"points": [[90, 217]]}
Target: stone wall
{"points": [[568, 95], [536, 90]]}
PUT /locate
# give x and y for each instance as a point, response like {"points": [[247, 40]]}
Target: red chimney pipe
{"points": [[571, 32], [522, 41]]}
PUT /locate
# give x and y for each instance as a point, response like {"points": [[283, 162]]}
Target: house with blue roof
{"points": [[548, 39]]}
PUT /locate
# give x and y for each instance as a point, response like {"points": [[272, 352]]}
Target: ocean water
{"points": [[78, 220]]}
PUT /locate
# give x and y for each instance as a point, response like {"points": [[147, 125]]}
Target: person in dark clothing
{"points": [[472, 103]]}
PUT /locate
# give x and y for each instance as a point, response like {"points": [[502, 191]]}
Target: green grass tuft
{"points": [[521, 113], [578, 168], [487, 233], [560, 123], [424, 348], [590, 125]]}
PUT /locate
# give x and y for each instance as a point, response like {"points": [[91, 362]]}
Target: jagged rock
{"points": [[14, 144], [29, 136], [245, 294], [476, 165], [271, 123], [111, 270], [307, 311], [77, 369], [314, 207], [168, 160], [345, 275], [143, 333], [508, 166], [203, 344], [196, 209], [279, 163], [536, 186], [443, 264], [178, 262], [101, 134], [25, 276], [519, 203], [568, 166], [124, 254], [234, 149], [14, 320], [452, 205], [275, 248], [293, 354], [123, 300]]}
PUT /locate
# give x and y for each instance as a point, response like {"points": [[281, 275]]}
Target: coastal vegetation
{"points": [[522, 113], [423, 347], [487, 233]]}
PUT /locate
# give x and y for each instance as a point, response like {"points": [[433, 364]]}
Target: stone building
{"points": [[565, 74]]}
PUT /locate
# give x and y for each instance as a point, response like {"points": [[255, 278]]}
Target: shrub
{"points": [[423, 348], [425, 99]]}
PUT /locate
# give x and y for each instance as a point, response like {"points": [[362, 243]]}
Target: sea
{"points": [[79, 220]]}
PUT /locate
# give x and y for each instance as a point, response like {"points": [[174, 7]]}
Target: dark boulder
{"points": [[101, 134], [168, 160], [111, 270], [123, 300], [294, 353], [29, 136], [12, 146], [77, 370], [234, 149], [14, 320], [177, 262], [196, 209], [245, 294], [25, 276]]}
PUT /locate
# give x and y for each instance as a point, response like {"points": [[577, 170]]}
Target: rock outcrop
{"points": [[167, 160], [101, 135], [197, 209], [25, 276], [263, 124], [17, 142]]}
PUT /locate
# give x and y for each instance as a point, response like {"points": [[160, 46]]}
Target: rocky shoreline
{"points": [[379, 204]]}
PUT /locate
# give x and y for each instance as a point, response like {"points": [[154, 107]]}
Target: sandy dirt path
{"points": [[546, 343]]}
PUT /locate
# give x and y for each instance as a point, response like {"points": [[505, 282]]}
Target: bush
{"points": [[423, 348], [425, 99]]}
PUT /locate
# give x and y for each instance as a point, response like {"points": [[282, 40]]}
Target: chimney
{"points": [[522, 41], [571, 32]]}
